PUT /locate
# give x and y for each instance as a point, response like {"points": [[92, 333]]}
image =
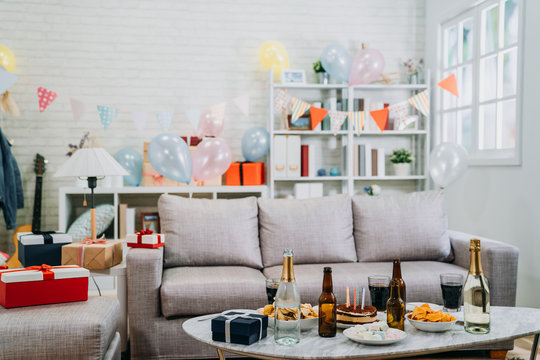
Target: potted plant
{"points": [[322, 76], [401, 159]]}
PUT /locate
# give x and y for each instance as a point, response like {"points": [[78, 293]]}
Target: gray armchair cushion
{"points": [[202, 232], [407, 226], [318, 230]]}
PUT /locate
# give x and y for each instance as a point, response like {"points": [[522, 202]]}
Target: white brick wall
{"points": [[169, 55]]}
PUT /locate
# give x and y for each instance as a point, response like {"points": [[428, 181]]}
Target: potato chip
{"points": [[306, 310], [425, 313]]}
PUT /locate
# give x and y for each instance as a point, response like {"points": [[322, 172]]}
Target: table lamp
{"points": [[91, 163]]}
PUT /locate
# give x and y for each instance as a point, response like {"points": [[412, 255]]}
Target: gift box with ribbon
{"points": [[239, 327], [245, 173], [44, 284], [145, 239], [44, 247], [93, 254]]}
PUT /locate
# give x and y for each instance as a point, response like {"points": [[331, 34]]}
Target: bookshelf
{"points": [[341, 154]]}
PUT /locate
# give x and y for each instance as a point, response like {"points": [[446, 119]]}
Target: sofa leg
{"points": [[220, 354], [497, 354]]}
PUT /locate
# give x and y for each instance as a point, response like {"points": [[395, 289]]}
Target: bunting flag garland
{"points": [[106, 114], [380, 117], [317, 115], [281, 100], [450, 84], [242, 102], [78, 108], [357, 118], [45, 98], [193, 116], [7, 80], [165, 119], [299, 107], [421, 102], [139, 119], [336, 119], [218, 110]]}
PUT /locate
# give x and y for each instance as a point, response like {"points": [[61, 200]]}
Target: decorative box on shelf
{"points": [[239, 328], [145, 239], [38, 285], [93, 254], [150, 177], [41, 248], [245, 173]]}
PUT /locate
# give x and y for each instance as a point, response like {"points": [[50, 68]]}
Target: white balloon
{"points": [[448, 161]]}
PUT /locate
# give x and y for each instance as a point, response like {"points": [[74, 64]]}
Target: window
{"points": [[481, 46]]}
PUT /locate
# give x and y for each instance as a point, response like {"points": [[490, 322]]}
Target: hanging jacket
{"points": [[11, 192]]}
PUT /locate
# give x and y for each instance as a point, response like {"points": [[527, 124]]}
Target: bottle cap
{"points": [[327, 269], [475, 244]]}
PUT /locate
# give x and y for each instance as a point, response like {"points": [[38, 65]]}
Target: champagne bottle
{"points": [[396, 275], [287, 305], [327, 306], [395, 307], [476, 294]]}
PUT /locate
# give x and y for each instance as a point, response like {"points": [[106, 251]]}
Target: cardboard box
{"points": [[100, 255], [245, 173], [145, 239], [280, 156], [243, 329], [44, 248], [293, 156]]}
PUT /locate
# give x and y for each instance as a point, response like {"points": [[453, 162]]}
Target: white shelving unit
{"points": [[418, 141]]}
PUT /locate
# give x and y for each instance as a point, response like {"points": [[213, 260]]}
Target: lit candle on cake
{"points": [[348, 302], [354, 298]]}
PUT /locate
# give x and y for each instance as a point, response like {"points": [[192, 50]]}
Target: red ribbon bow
{"points": [[145, 232], [89, 241], [44, 268], [158, 178]]}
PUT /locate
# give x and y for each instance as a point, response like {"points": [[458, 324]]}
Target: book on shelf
{"points": [[304, 171], [122, 213], [356, 160], [362, 160], [280, 156], [374, 162], [367, 160], [381, 169], [130, 221]]}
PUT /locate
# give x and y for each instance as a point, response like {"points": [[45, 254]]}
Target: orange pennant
{"points": [[317, 115], [380, 117], [450, 84]]}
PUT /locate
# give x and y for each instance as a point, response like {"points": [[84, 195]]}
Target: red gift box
{"points": [[245, 173], [145, 239], [38, 285]]}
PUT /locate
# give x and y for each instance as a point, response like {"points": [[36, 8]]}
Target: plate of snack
{"points": [[425, 318], [349, 316], [308, 320], [374, 334]]}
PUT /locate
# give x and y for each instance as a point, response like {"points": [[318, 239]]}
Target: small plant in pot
{"points": [[322, 76], [401, 158]]}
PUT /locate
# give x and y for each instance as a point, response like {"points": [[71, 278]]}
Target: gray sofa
{"points": [[218, 254]]}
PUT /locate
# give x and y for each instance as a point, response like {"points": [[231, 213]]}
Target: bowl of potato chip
{"points": [[424, 318], [308, 320]]}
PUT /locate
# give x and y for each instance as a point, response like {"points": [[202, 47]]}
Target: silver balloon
{"points": [[132, 161], [448, 161], [255, 143], [169, 155]]}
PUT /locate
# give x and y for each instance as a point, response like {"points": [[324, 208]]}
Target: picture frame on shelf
{"points": [[150, 220], [292, 76], [302, 123]]}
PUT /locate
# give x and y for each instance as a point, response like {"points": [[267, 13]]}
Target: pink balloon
{"points": [[366, 67], [211, 158], [210, 123]]}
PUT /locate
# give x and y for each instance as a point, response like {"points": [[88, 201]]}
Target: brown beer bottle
{"points": [[395, 307], [396, 275], [327, 306]]}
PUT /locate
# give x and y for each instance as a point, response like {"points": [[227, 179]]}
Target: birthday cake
{"points": [[350, 315]]}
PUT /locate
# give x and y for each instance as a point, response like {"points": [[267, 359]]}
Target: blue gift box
{"points": [[243, 328], [41, 248]]}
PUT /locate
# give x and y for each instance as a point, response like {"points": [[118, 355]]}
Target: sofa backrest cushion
{"points": [[203, 232], [410, 226], [319, 230]]}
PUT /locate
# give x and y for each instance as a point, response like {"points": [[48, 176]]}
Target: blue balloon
{"points": [[169, 155], [337, 62], [132, 161], [255, 143]]}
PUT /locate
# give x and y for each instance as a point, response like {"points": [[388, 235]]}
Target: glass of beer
{"points": [[452, 286], [271, 289], [379, 289]]}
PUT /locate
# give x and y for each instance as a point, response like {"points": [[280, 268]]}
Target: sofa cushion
{"points": [[211, 289], [210, 232], [421, 278], [407, 226], [318, 230]]}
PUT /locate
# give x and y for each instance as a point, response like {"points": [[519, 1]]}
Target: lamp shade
{"points": [[91, 162]]}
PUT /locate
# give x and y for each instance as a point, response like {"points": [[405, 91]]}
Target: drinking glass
{"points": [[271, 289], [379, 289], [452, 286]]}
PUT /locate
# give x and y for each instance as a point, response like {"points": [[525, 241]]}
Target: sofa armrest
{"points": [[499, 262]]}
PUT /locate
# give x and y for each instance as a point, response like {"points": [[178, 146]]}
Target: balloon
{"points": [[337, 62], [210, 123], [7, 59], [366, 67], [255, 143], [447, 162], [274, 55], [170, 156], [211, 158], [132, 161]]}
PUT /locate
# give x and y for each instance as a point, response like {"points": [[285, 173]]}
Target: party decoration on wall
{"points": [[400, 113], [336, 119], [139, 119], [211, 121], [274, 55], [132, 161], [193, 116], [242, 102], [317, 116], [357, 118], [78, 108], [299, 107], [282, 100], [380, 117], [165, 119], [255, 143], [106, 114], [448, 161], [366, 66], [7, 80], [45, 98], [7, 58], [421, 102], [8, 104], [169, 155], [211, 158], [336, 61], [449, 84]]}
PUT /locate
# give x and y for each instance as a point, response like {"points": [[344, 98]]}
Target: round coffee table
{"points": [[507, 323]]}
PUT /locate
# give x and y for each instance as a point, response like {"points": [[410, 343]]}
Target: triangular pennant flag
{"points": [[106, 114], [450, 84], [336, 119], [317, 115], [357, 120], [380, 117], [242, 102], [7, 80], [281, 100], [78, 108], [299, 107], [218, 110], [139, 119], [45, 98], [193, 116], [165, 119], [421, 102]]}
